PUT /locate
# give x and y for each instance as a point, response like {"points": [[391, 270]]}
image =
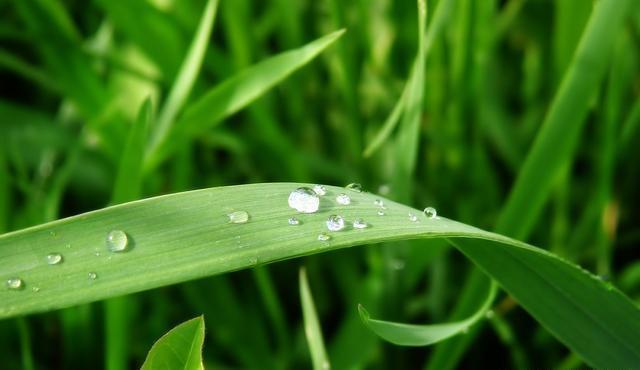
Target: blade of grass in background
{"points": [[186, 76], [555, 143], [235, 93], [179, 349], [312, 327], [188, 235]]}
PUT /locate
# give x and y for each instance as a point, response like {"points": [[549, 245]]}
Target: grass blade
{"points": [[424, 335], [237, 92], [180, 348], [186, 76], [312, 326], [185, 236]]}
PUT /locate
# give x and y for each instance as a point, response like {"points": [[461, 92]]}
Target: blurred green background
{"points": [[74, 74]]}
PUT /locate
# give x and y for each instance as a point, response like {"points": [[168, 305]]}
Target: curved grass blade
{"points": [[312, 326], [424, 335], [235, 93], [189, 235], [186, 76], [179, 349]]}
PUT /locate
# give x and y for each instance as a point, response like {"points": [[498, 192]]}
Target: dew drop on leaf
{"points": [[343, 199], [323, 237], [354, 186], [304, 200], [335, 223], [430, 212], [93, 275], [359, 223], [320, 189], [238, 217], [53, 258], [294, 221], [117, 241], [14, 283]]}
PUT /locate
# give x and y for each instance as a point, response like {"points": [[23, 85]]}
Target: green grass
{"points": [[515, 116]]}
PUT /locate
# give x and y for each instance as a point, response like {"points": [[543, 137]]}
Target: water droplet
{"points": [[53, 234], [294, 221], [413, 217], [324, 237], [54, 258], [354, 186], [93, 275], [343, 199], [117, 241], [304, 200], [320, 189], [97, 254], [397, 264], [430, 212], [380, 212], [14, 283], [35, 289], [253, 261], [238, 217], [359, 223], [68, 246], [384, 189], [378, 202], [335, 223]]}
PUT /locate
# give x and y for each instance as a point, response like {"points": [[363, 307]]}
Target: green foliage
{"points": [[515, 116], [179, 349]]}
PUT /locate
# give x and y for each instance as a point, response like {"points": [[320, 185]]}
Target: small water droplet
{"points": [[413, 217], [320, 189], [343, 199], [430, 212], [489, 314], [324, 237], [304, 200], [53, 234], [359, 223], [354, 186], [238, 217], [253, 261], [93, 275], [384, 189], [14, 283], [397, 264], [97, 254], [35, 289], [294, 221], [335, 223], [117, 241], [380, 212], [378, 202], [54, 258], [68, 246]]}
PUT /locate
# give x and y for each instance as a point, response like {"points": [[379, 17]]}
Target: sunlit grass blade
{"points": [[424, 335], [235, 93], [416, 78], [189, 235], [186, 76], [179, 349], [312, 326]]}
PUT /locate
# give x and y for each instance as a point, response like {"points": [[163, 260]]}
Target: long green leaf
{"points": [[188, 235], [424, 335], [312, 326], [186, 76], [236, 92], [179, 349]]}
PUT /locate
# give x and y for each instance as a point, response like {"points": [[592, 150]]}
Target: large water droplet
{"points": [[335, 223], [238, 217], [354, 186], [117, 241], [53, 258], [324, 237], [320, 189], [304, 200], [343, 199], [14, 283], [430, 212], [413, 217], [359, 223], [93, 275], [294, 221]]}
